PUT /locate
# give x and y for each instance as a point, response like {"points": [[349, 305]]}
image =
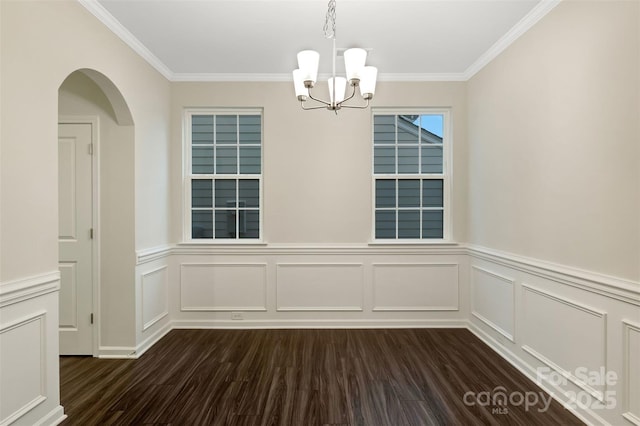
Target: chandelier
{"points": [[358, 75]]}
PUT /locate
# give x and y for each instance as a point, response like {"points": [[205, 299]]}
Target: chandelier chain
{"points": [[330, 20]]}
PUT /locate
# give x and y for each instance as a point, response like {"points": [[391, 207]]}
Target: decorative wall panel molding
{"points": [[631, 373], [415, 287], [223, 287], [154, 290], [565, 335], [22, 361], [319, 287], [493, 300]]}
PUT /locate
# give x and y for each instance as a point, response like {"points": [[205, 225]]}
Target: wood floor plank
{"points": [[301, 377]]}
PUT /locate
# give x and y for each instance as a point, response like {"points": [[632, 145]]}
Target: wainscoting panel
{"points": [[22, 363], [534, 313], [493, 300], [223, 287], [415, 287], [29, 358], [576, 332], [565, 335], [631, 372], [319, 287], [154, 297]]}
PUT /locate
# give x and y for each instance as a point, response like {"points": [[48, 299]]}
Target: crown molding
{"points": [[103, 15], [421, 77], [528, 21]]}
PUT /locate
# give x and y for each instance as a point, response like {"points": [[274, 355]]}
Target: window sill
{"points": [[218, 243], [412, 243]]}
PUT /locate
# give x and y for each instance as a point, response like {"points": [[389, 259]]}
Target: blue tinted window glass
{"points": [[408, 193], [432, 193], [385, 224], [432, 224], [202, 193], [225, 193], [249, 193], [386, 193], [226, 129], [409, 224], [201, 224], [225, 224]]}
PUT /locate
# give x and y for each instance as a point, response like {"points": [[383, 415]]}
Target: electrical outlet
{"points": [[236, 315]]}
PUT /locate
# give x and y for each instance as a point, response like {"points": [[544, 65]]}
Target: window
{"points": [[224, 174], [410, 173]]}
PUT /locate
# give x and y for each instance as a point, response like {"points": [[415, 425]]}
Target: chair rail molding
{"points": [[29, 287], [616, 288]]}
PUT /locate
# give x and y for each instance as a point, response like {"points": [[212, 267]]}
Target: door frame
{"points": [[94, 121]]}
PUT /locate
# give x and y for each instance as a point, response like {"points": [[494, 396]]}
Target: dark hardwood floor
{"points": [[305, 377]]}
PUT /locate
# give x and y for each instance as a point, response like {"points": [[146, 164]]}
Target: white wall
{"points": [[31, 38], [554, 162], [554, 198], [317, 166], [42, 42]]}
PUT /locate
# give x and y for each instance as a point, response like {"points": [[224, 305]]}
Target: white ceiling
{"points": [[259, 39]]}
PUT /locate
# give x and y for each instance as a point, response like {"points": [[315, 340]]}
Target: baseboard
{"points": [[117, 352], [316, 324], [55, 417], [587, 416], [152, 340]]}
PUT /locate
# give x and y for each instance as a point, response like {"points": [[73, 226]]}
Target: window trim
{"points": [[188, 176], [446, 176]]}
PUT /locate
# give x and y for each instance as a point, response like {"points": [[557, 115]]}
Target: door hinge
{"points": [[91, 233], [92, 318], [90, 149]]}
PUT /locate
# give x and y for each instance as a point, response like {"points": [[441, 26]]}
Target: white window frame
{"points": [[446, 176], [188, 176]]}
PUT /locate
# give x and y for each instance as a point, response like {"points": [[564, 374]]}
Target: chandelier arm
{"points": [[352, 95], [309, 108], [319, 100], [356, 106]]}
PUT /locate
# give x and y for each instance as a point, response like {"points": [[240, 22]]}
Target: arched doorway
{"points": [[96, 214]]}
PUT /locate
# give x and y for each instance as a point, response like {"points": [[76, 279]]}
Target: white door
{"points": [[75, 238]]}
